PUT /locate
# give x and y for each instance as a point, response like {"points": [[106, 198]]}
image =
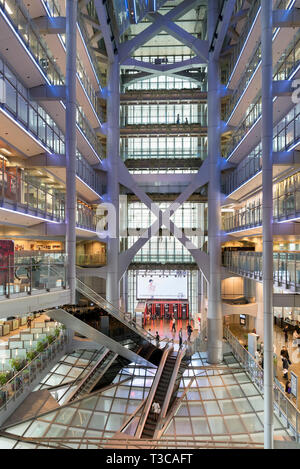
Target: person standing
{"points": [[286, 333], [285, 368], [180, 338], [157, 338], [156, 410], [173, 325], [178, 119], [285, 354]]}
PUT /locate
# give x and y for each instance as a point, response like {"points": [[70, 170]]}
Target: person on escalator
{"points": [[156, 410], [157, 338]]}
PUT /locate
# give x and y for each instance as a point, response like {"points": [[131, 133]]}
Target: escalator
{"points": [[112, 334], [124, 318], [160, 395], [88, 384]]}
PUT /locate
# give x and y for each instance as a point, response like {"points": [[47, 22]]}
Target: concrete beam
{"points": [[283, 88], [46, 160], [48, 93], [286, 18], [50, 24]]}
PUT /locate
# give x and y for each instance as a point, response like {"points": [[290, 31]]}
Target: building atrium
{"points": [[149, 214]]}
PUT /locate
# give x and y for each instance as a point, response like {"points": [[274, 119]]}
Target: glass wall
{"points": [[164, 147], [165, 83], [164, 114]]}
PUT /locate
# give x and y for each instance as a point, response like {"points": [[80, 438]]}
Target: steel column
{"points": [[71, 200], [214, 316], [113, 155], [267, 175]]}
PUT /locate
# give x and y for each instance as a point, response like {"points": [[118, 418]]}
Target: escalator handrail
{"points": [[151, 395], [106, 305], [86, 378], [164, 410]]}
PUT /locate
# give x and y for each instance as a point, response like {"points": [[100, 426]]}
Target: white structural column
{"points": [[125, 291], [71, 200], [113, 154], [214, 316], [267, 174]]}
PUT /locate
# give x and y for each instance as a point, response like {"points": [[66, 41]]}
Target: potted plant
{"points": [[57, 332]]}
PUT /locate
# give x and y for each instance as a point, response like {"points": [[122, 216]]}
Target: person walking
{"points": [[180, 338], [178, 119], [173, 325], [285, 354], [285, 368], [189, 331]]}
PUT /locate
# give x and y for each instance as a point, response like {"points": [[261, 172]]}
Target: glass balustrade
{"points": [[90, 260], [243, 36], [285, 207], [32, 272], [35, 120], [283, 406], [19, 194], [285, 66], [24, 26], [286, 266], [286, 134], [22, 381]]}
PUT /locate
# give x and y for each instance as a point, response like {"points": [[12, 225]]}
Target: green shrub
{"points": [[17, 364], [40, 346], [50, 339], [3, 379], [31, 355], [57, 332]]}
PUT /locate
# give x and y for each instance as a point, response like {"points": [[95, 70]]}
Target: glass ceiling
{"points": [[215, 406], [99, 415], [222, 404]]}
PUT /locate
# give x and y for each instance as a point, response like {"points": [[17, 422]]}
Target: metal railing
{"points": [[285, 207], [133, 443], [286, 266], [283, 406], [24, 378], [126, 318], [152, 392]]}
